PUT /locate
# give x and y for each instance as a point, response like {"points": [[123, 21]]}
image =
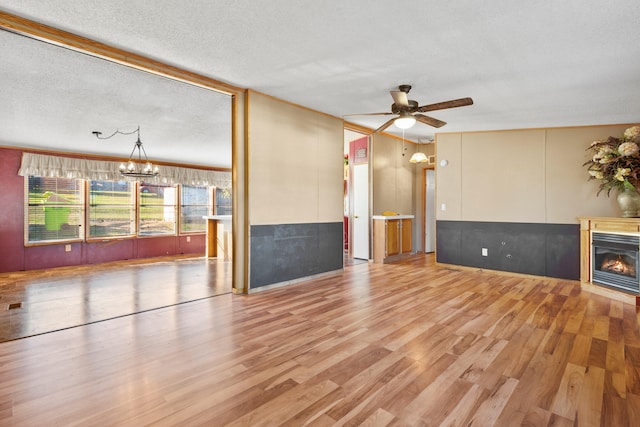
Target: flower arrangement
{"points": [[616, 162]]}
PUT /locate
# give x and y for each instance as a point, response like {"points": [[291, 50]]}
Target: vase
{"points": [[629, 202]]}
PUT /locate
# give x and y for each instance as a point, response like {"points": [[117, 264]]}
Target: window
{"points": [[157, 210], [195, 202], [112, 209], [55, 209], [223, 201]]}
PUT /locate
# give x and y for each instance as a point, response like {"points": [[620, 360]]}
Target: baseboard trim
{"points": [[499, 272], [294, 281]]}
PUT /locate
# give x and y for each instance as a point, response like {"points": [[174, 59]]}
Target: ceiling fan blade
{"points": [[368, 114], [400, 98], [462, 102], [429, 120], [385, 125]]}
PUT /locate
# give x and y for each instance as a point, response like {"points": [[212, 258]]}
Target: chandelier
{"points": [[135, 167]]}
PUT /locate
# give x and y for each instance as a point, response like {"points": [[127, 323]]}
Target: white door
{"points": [[360, 211], [430, 212]]}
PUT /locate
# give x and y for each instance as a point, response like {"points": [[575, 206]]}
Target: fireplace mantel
{"points": [[603, 224]]}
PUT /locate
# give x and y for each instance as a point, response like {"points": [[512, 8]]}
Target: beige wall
{"points": [[568, 192], [393, 177], [295, 163], [503, 176], [531, 175], [449, 177]]}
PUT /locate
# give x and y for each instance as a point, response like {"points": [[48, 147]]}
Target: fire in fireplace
{"points": [[619, 264], [615, 259]]}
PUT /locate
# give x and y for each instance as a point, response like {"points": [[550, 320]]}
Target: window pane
{"points": [[195, 195], [157, 210], [191, 219], [111, 209], [194, 205], [157, 220], [223, 201], [111, 221], [54, 209]]}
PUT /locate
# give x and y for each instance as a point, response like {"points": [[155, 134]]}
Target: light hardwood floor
{"points": [[405, 344], [59, 298]]}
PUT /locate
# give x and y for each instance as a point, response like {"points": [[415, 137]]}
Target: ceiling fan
{"points": [[408, 110]]}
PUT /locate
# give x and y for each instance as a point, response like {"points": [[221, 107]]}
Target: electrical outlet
{"points": [[485, 252], [188, 239], [67, 248]]}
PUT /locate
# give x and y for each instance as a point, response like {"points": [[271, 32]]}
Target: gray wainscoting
{"points": [[551, 250], [284, 252]]}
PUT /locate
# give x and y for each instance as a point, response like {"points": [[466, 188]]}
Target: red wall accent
{"points": [[110, 250], [11, 211], [359, 150], [14, 256]]}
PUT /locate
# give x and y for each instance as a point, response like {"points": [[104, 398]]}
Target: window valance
{"points": [[104, 170]]}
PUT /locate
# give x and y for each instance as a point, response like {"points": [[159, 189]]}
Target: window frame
{"points": [[140, 205], [84, 235], [81, 215], [88, 237]]}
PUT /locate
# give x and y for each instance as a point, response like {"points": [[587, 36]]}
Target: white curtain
{"points": [[102, 170]]}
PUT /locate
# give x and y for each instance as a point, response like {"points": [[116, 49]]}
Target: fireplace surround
{"points": [[610, 253]]}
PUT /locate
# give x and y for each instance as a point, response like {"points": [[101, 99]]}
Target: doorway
{"points": [[429, 202], [357, 217], [175, 109]]}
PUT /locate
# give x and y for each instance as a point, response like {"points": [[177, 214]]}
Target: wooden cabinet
{"points": [[218, 236], [406, 240], [391, 243], [392, 237]]}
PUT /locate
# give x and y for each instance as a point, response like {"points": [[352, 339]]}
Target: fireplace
{"points": [[615, 260]]}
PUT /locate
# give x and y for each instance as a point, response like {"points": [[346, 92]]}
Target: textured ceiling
{"points": [[54, 98], [525, 63]]}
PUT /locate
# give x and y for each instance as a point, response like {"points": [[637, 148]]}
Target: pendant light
{"points": [[135, 167]]}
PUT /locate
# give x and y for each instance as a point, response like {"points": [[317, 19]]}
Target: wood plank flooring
{"points": [[407, 344], [54, 299]]}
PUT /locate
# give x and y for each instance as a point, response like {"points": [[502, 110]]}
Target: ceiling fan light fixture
{"points": [[405, 108], [419, 157], [405, 121]]}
